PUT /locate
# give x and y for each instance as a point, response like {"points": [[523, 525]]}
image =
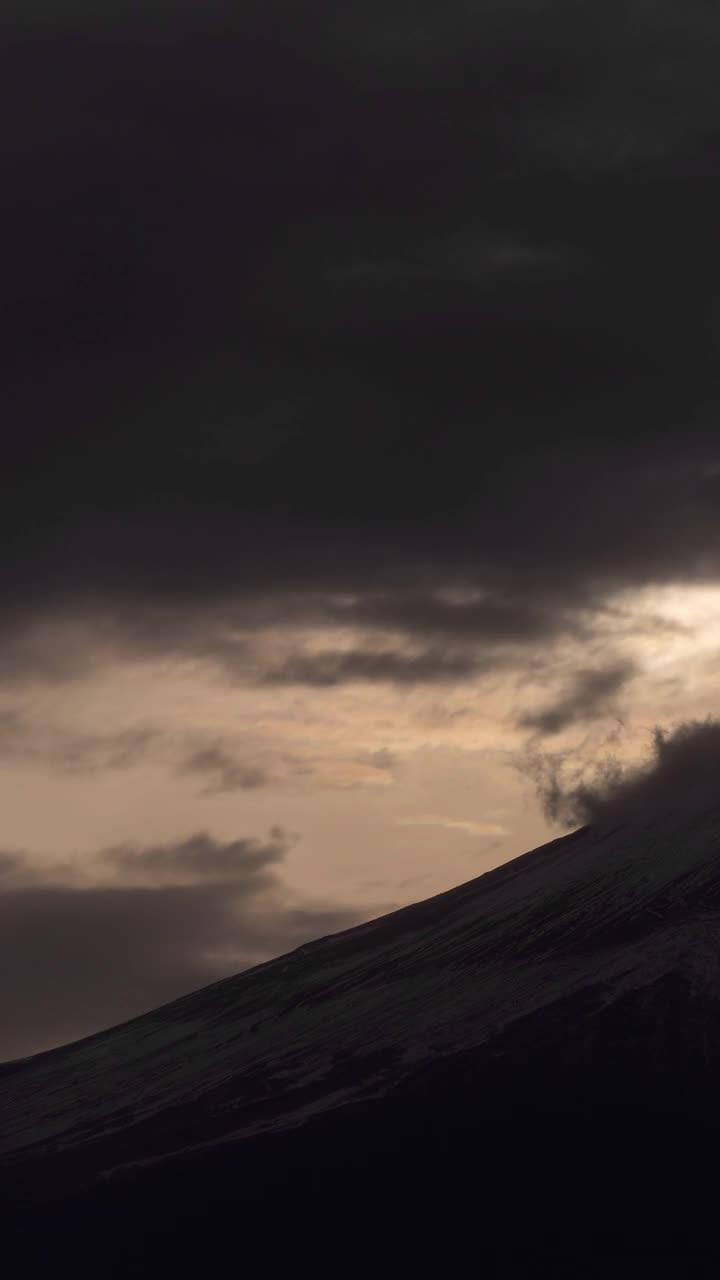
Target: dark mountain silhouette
{"points": [[526, 1066]]}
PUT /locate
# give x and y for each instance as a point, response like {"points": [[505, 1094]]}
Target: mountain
{"points": [[529, 1061]]}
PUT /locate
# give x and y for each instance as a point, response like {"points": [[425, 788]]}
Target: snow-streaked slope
{"points": [[348, 1016]]}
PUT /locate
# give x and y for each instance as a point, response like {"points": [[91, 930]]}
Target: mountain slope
{"points": [[574, 991]]}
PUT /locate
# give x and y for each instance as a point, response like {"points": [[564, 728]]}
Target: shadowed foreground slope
{"points": [[529, 1062]]}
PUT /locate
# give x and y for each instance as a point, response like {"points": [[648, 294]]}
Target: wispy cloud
{"points": [[467, 826], [592, 694]]}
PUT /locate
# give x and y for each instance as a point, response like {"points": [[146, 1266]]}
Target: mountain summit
{"points": [[541, 1043]]}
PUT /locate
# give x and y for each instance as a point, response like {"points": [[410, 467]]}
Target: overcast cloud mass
{"points": [[360, 403]]}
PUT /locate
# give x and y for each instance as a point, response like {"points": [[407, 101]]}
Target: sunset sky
{"points": [[360, 404]]}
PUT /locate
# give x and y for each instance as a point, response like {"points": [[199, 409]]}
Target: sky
{"points": [[360, 459]]}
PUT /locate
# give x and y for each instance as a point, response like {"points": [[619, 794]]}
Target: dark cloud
{"points": [[219, 764], [11, 864], [84, 753], [482, 348], [263, 640], [223, 770], [25, 741], [492, 618], [681, 776], [592, 694], [201, 859], [66, 751], [142, 927], [386, 761], [330, 667]]}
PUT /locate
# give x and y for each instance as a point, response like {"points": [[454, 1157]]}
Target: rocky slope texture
{"points": [[535, 1053]]}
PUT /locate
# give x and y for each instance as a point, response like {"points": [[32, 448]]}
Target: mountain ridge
{"points": [[581, 980]]}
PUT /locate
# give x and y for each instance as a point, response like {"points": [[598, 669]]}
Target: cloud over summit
{"points": [[680, 776]]}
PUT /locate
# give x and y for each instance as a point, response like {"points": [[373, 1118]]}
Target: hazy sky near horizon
{"points": [[360, 396]]}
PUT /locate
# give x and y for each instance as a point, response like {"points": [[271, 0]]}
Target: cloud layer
{"points": [[480, 355]]}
